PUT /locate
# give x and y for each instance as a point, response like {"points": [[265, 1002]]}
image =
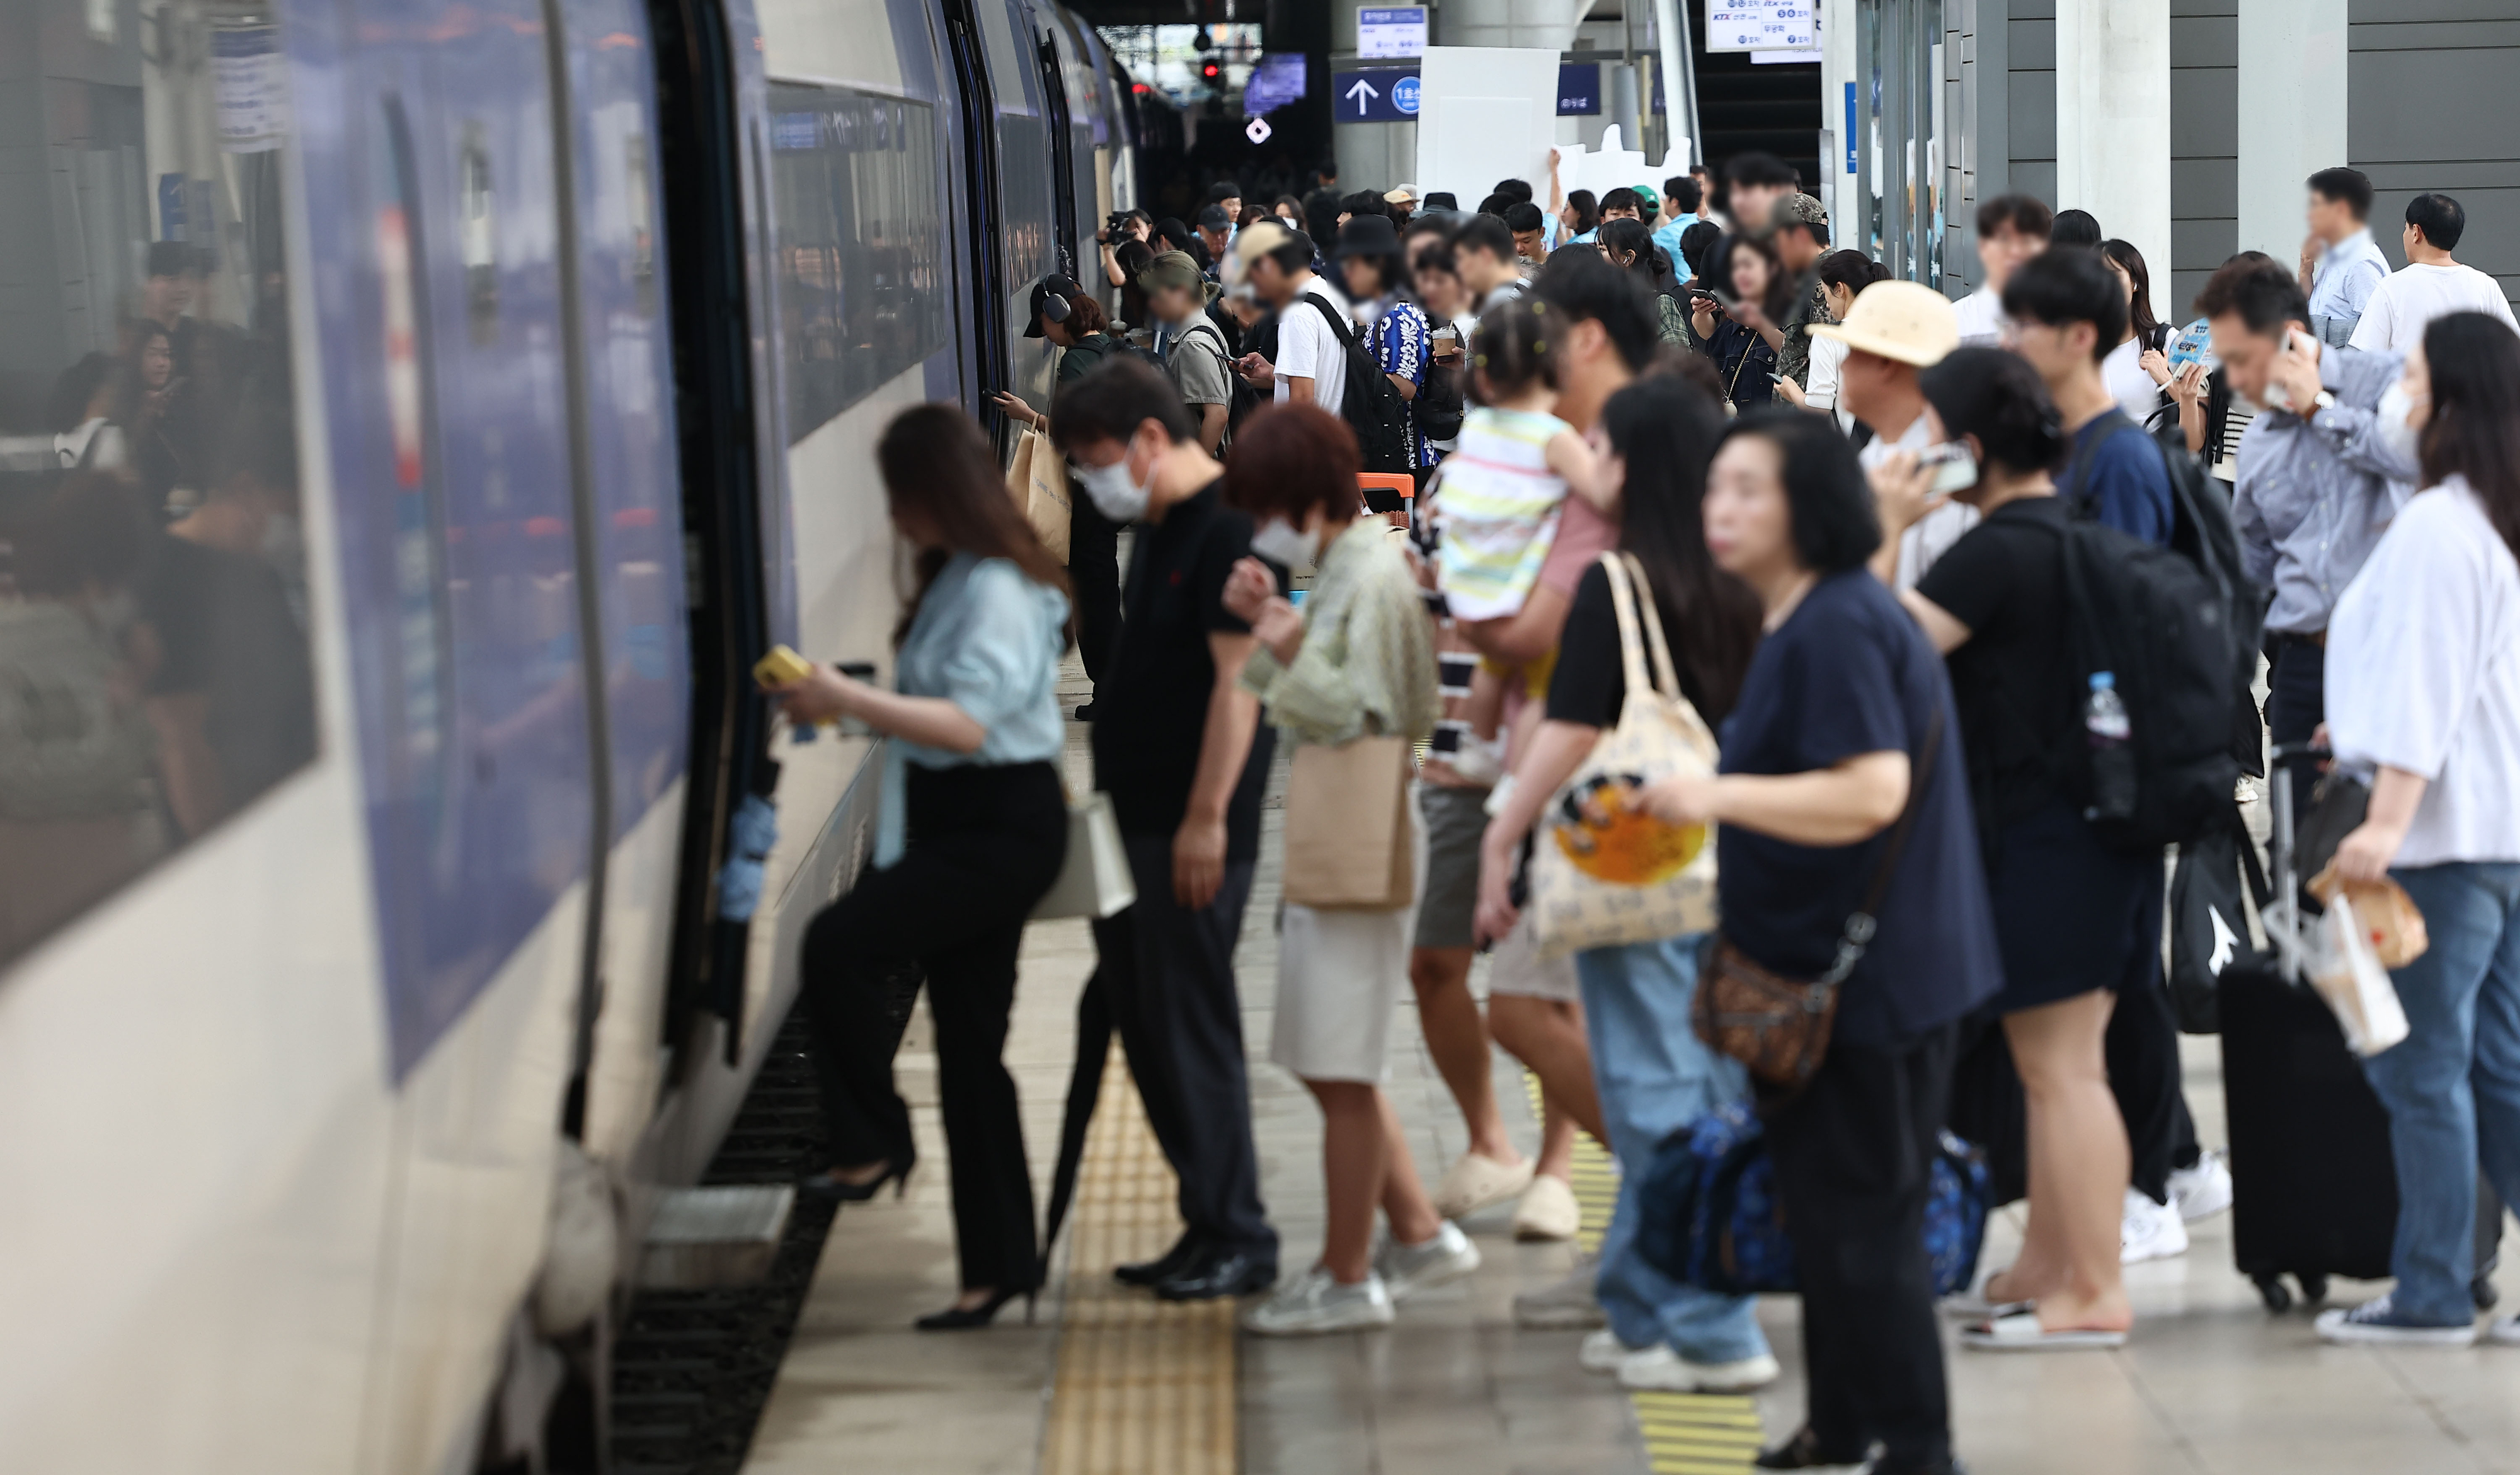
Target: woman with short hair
{"points": [[1357, 661], [1843, 730]]}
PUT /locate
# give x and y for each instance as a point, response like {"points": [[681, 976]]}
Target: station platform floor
{"points": [[1106, 1381]]}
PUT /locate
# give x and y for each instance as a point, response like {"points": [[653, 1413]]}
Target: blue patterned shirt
{"points": [[1401, 342]]}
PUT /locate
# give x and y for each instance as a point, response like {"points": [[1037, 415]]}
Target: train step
{"points": [[703, 1238]]}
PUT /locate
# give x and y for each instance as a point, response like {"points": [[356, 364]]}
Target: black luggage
{"points": [[2314, 1183]]}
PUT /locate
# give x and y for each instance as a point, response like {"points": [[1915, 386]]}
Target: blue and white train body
{"points": [[415, 418]]}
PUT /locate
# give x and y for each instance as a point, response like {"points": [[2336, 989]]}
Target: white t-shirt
{"points": [[1981, 315], [1308, 347], [2423, 674], [2122, 372], [1828, 356], [1935, 533], [2406, 301]]}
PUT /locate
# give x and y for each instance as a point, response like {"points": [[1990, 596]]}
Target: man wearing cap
{"points": [[1216, 234], [1799, 231], [1194, 349], [1310, 365], [1402, 201], [1065, 313], [1894, 330]]}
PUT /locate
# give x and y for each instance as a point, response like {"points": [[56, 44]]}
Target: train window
{"points": [[478, 210], [861, 245], [641, 207], [154, 671]]}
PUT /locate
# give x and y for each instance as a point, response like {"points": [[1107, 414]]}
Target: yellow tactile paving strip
{"points": [[1144, 1387], [1685, 1433]]}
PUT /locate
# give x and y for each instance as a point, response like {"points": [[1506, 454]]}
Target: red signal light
{"points": [[1211, 71]]}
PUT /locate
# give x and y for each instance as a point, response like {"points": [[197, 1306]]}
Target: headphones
{"points": [[1051, 297]]}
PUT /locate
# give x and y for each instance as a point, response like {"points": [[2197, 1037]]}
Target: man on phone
{"points": [[1895, 330], [2341, 265], [1311, 367], [2317, 480]]}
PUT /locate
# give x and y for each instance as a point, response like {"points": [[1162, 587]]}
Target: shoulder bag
{"points": [[1777, 1026], [1093, 880], [1349, 837], [1604, 875]]}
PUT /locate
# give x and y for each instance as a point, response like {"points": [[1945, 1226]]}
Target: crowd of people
{"points": [[1847, 505]]}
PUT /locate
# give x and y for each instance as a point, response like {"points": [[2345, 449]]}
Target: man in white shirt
{"points": [[2432, 286], [1894, 330], [1312, 362], [2010, 230]]}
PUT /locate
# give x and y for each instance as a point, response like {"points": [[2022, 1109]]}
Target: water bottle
{"points": [[2104, 720]]}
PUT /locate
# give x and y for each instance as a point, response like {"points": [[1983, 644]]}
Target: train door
{"points": [[978, 111]]}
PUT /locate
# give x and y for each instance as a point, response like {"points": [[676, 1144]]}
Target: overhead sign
{"points": [[1395, 30], [1578, 89], [1762, 25], [1374, 97], [1277, 81]]}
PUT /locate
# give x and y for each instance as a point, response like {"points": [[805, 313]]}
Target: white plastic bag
{"points": [[2347, 974]]}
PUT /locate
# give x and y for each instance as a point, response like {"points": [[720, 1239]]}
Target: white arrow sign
{"points": [[1361, 93]]}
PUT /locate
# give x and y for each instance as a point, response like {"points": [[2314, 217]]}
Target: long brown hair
{"points": [[936, 463]]}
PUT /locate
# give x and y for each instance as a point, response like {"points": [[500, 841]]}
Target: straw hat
{"points": [[1905, 321]]}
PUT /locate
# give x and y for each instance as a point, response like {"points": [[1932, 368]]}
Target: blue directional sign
{"points": [[1374, 97], [1579, 88]]}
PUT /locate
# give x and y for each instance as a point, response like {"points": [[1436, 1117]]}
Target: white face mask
{"points": [[1115, 495], [1279, 542], [2402, 440]]}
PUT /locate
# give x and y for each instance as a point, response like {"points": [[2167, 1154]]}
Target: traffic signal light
{"points": [[1210, 70]]}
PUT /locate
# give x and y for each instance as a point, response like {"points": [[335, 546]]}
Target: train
{"points": [[416, 417]]}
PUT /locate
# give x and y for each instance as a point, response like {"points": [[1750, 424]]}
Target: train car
{"points": [[415, 416]]}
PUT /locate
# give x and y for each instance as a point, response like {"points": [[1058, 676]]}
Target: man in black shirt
{"points": [[1179, 746]]}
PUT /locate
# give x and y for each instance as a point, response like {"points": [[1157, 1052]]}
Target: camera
{"points": [[1116, 229]]}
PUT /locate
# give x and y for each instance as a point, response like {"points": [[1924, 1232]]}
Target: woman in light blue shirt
{"points": [[972, 831]]}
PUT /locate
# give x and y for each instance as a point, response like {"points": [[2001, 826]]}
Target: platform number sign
{"points": [[1762, 25], [1374, 97]]}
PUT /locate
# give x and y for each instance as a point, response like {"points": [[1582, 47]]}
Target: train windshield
{"points": [[155, 675]]}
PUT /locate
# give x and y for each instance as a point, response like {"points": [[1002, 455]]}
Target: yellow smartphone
{"points": [[780, 667]]}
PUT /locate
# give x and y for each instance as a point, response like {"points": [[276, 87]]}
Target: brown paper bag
{"points": [[2390, 923], [1347, 827], [1038, 483]]}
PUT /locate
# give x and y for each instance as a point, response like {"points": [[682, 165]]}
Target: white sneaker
{"points": [[1548, 1210], [1479, 763], [1405, 1269], [1604, 1352], [2204, 1190], [1314, 1303], [1568, 1303], [1661, 1370], [2149, 1231], [1474, 1183], [2504, 1332]]}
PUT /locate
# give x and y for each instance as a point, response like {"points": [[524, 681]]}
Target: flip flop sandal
{"points": [[1973, 1306], [2020, 1331]]}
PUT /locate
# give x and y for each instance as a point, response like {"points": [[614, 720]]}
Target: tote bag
{"points": [[1093, 881], [1038, 483], [1347, 826], [1604, 875]]}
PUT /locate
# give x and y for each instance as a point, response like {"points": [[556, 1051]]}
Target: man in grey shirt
{"points": [[2318, 481], [1196, 358]]}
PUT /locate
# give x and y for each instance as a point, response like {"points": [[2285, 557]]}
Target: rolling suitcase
{"points": [[2314, 1183]]}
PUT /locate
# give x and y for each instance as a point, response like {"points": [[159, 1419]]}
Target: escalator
{"points": [[1742, 106]]}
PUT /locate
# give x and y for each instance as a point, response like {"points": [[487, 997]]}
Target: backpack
{"points": [[1709, 1214], [1369, 404], [2176, 628], [1242, 398]]}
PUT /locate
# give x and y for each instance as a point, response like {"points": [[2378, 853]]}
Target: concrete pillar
{"points": [[1839, 190], [1375, 156], [1538, 25], [2114, 120], [2292, 116]]}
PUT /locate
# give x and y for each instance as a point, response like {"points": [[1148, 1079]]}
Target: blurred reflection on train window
{"points": [[861, 244], [155, 677]]}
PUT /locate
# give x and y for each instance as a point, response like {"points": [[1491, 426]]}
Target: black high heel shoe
{"points": [[824, 1186], [957, 1318]]}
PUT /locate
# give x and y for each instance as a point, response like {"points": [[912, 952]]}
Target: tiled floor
{"points": [[2210, 1383]]}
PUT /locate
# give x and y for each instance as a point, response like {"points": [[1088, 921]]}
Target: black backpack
{"points": [[1369, 404], [2178, 628]]}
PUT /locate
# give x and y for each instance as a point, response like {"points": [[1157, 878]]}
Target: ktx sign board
{"points": [[1396, 30]]}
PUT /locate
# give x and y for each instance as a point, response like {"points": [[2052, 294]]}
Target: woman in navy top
{"points": [[1820, 757], [972, 832]]}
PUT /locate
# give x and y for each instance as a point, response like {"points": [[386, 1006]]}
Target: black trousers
{"points": [[1167, 972], [2296, 702], [1853, 1154], [2141, 1051], [1093, 575], [985, 844]]}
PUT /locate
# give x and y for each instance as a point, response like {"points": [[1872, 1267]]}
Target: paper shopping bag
{"points": [[1347, 827]]}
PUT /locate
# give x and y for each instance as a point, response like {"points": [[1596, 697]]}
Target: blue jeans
{"points": [[2452, 1087], [1655, 1077]]}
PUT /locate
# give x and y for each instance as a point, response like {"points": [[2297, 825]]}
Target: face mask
{"points": [[1116, 496], [1279, 542], [2402, 440]]}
